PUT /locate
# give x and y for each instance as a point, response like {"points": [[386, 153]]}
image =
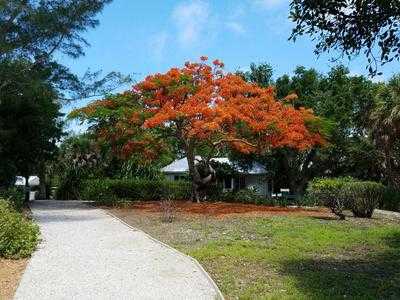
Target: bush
{"points": [[69, 184], [18, 236], [248, 196], [363, 197], [109, 191], [329, 192], [15, 196], [390, 200]]}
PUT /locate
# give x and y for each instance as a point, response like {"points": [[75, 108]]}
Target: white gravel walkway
{"points": [[87, 254]]}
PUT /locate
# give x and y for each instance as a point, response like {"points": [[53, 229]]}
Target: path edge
{"points": [[195, 261]]}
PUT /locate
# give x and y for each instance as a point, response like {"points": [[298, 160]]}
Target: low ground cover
{"points": [[281, 252], [19, 237]]}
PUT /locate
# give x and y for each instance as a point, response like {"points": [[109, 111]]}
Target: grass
{"points": [[286, 257]]}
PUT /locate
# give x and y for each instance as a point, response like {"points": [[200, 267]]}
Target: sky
{"points": [[144, 37]]}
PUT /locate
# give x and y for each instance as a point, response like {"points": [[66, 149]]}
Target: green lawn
{"points": [[287, 257]]}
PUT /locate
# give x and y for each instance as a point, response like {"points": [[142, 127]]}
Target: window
{"points": [[179, 177], [228, 183]]}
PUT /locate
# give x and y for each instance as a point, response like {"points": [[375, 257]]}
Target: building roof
{"points": [[181, 166]]}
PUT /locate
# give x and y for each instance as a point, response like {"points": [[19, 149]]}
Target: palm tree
{"points": [[385, 126]]}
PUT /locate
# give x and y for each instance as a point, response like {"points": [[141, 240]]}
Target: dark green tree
{"points": [[36, 30], [385, 128], [344, 102], [33, 85], [260, 74], [351, 27], [30, 123]]}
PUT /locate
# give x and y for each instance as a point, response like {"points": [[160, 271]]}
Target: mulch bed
{"points": [[219, 209]]}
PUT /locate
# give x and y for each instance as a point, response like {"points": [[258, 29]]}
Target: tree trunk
{"points": [[194, 175], [26, 188], [393, 175], [42, 186]]}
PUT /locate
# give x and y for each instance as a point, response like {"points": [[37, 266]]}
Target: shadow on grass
{"points": [[369, 276], [325, 218]]}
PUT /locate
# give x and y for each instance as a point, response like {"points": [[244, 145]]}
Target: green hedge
{"points": [[109, 191], [18, 236], [361, 197]]}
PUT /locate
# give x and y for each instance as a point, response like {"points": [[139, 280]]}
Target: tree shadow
{"points": [[61, 205], [365, 276], [62, 218]]}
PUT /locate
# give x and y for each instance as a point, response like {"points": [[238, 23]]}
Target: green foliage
{"points": [[330, 192], [363, 197], [249, 196], [32, 28], [343, 103], [36, 30], [33, 84], [350, 27], [68, 185], [77, 160], [288, 257], [109, 191], [259, 74], [18, 236], [385, 128], [15, 196], [30, 123], [82, 157], [390, 200]]}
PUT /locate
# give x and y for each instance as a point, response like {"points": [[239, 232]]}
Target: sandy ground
{"points": [[10, 274]]}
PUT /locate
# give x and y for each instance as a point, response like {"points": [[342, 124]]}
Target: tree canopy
{"points": [[202, 107], [351, 26], [35, 30], [344, 103], [33, 84], [30, 123]]}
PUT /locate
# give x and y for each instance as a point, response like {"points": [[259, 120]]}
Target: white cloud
{"points": [[157, 44], [236, 27], [191, 18]]}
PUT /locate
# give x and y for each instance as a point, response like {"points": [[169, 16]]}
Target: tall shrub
{"points": [[329, 192], [363, 197]]}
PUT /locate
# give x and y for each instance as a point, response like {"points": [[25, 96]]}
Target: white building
{"points": [[255, 177]]}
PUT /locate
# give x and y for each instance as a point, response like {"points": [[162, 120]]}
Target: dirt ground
{"points": [[221, 209], [10, 274]]}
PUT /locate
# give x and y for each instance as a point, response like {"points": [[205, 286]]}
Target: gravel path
{"points": [[87, 254]]}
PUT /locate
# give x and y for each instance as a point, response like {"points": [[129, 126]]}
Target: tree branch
{"points": [[234, 141]]}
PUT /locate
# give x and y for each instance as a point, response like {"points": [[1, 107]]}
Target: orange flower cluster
{"points": [[210, 105], [200, 103]]}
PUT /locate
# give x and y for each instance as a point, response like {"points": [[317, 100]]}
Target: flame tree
{"points": [[199, 106]]}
